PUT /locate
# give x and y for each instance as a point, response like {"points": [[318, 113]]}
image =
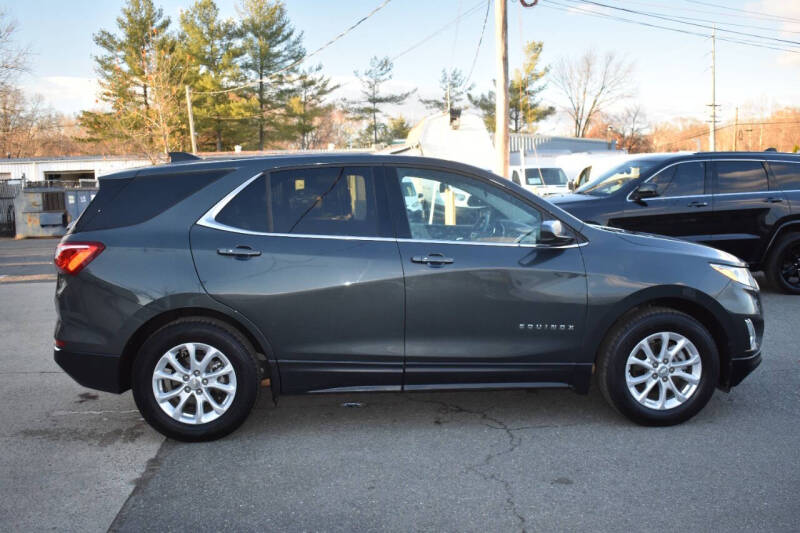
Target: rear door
{"points": [[481, 308], [309, 256], [681, 209], [745, 209]]}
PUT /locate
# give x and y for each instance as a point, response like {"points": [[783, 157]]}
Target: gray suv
{"points": [[195, 282]]}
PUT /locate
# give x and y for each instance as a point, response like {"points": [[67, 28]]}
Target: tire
{"points": [[225, 398], [624, 342], [783, 264]]}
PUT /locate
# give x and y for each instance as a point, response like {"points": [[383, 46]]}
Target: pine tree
{"points": [[525, 108], [211, 44], [140, 74], [372, 100], [454, 90], [269, 45], [307, 105]]}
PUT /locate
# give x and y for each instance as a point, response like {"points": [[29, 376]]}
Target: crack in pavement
{"points": [[513, 443]]}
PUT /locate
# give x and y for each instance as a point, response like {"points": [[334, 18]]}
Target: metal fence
{"points": [[8, 193]]}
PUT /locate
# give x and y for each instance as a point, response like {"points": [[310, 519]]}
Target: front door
{"points": [[486, 304], [682, 208], [309, 256]]}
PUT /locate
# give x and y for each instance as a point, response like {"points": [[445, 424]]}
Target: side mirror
{"points": [[645, 190], [553, 232], [571, 185]]}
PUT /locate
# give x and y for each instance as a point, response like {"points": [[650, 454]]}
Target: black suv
{"points": [[192, 283], [747, 204]]}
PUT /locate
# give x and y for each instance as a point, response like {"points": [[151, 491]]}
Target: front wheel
{"points": [[658, 367], [195, 380]]}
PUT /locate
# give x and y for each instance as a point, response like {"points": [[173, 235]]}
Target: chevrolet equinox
{"points": [[194, 282]]}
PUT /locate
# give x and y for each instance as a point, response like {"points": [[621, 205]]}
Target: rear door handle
{"points": [[773, 200], [698, 204], [239, 251], [432, 259]]}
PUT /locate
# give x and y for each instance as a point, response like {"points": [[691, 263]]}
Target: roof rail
{"points": [[175, 157]]}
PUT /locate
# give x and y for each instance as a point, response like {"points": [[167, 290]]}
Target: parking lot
{"points": [[75, 459]]}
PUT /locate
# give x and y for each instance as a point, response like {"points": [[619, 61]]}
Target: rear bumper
{"points": [[95, 371], [741, 367]]}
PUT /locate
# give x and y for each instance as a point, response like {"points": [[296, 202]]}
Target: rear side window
{"points": [[683, 179], [132, 201], [787, 176], [315, 201], [740, 176]]}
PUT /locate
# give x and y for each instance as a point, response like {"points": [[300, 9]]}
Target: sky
{"points": [[671, 75]]}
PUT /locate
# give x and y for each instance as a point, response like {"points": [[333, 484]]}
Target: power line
{"points": [[716, 22], [720, 6], [695, 24], [480, 40], [577, 9], [304, 58], [468, 12], [768, 18]]}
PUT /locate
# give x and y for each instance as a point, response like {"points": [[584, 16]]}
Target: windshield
{"points": [[552, 176], [613, 180]]}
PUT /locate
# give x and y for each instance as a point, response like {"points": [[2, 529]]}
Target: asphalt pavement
{"points": [[80, 460]]}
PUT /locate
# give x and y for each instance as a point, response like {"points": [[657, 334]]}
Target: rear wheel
{"points": [[658, 367], [783, 265], [195, 380]]}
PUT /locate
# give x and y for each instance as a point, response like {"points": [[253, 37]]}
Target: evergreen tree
{"points": [[369, 106], [140, 75], [525, 108], [307, 105], [524, 103], [211, 44], [269, 44], [398, 128], [454, 90]]}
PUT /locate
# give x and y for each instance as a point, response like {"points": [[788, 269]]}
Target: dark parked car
{"points": [[191, 283], [747, 204]]}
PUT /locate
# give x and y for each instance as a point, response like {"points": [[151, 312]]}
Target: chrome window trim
{"points": [[208, 220], [628, 198]]}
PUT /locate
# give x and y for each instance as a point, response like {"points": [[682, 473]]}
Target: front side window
{"points": [[610, 182], [450, 207], [316, 201], [683, 179], [740, 176]]}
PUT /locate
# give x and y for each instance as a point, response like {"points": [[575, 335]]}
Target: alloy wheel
{"points": [[663, 370], [194, 383], [790, 266]]}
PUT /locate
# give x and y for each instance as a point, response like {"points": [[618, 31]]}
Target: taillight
{"points": [[71, 257]]}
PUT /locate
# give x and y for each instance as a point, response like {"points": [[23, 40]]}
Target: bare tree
{"points": [[590, 85], [629, 129], [13, 58]]}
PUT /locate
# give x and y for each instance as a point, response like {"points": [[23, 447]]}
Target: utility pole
{"points": [[501, 145], [191, 119], [712, 139], [736, 130]]}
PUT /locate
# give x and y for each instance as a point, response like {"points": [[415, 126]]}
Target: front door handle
{"points": [[773, 200], [697, 204], [239, 251], [432, 259]]}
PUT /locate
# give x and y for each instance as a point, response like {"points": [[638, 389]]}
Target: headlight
{"points": [[739, 274]]}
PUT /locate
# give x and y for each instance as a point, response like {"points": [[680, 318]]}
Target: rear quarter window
{"points": [[129, 201]]}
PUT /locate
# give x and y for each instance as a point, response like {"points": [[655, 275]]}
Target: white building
{"points": [[66, 168]]}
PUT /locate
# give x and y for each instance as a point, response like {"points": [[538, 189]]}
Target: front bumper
{"points": [[741, 367], [95, 371]]}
